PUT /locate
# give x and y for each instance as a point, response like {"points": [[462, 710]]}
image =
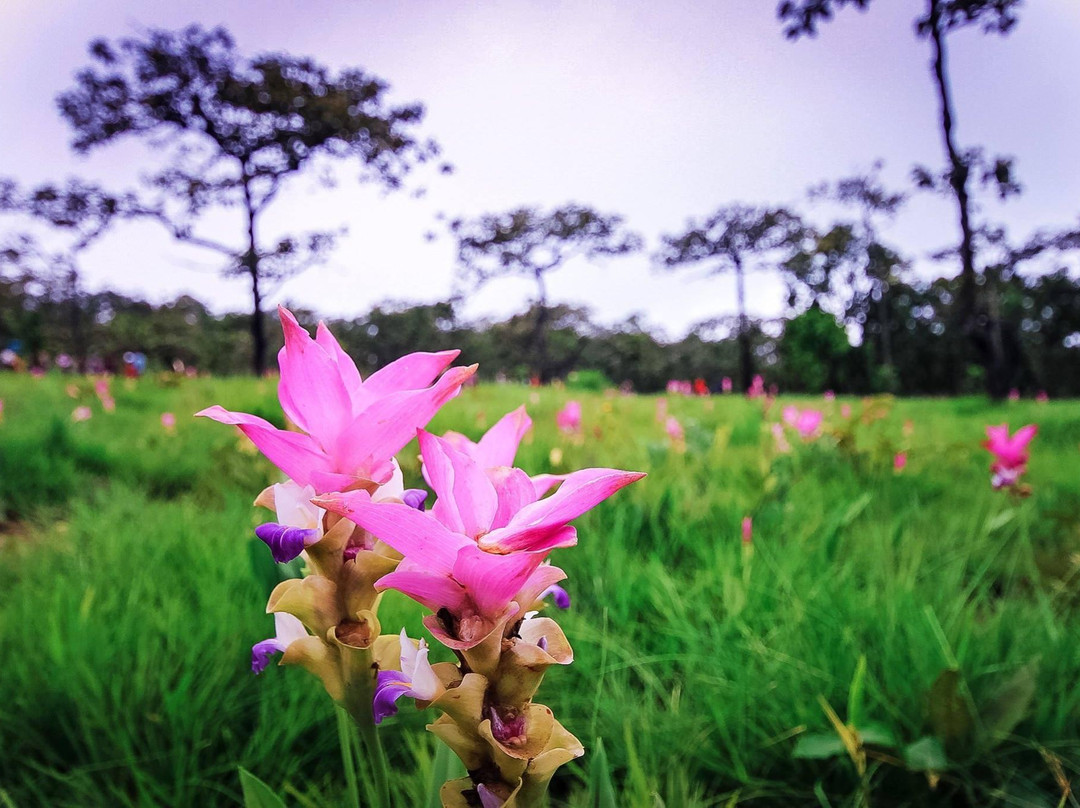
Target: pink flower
{"points": [[168, 420], [747, 531], [479, 552], [725, 384], [680, 387], [899, 461], [830, 395], [1042, 397], [757, 388], [568, 419], [782, 444], [661, 410], [1010, 453], [845, 410], [353, 427], [1014, 395], [1, 409], [82, 413], [805, 422], [674, 429]]}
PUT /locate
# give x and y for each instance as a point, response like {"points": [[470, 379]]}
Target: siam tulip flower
{"points": [[82, 413], [805, 422], [168, 420], [1010, 453], [661, 410], [287, 630], [899, 461], [845, 410], [700, 387], [747, 531], [1014, 394], [108, 403], [757, 388], [478, 552], [1042, 397], [416, 680], [1, 409], [353, 427], [830, 396], [725, 384], [674, 429], [568, 419], [782, 444]]}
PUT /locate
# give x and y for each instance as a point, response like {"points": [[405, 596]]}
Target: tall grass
{"points": [[131, 589]]}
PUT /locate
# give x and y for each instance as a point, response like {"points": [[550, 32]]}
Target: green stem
{"points": [[357, 703]]}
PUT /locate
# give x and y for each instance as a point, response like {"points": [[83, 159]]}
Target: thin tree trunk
{"points": [[745, 356], [251, 261], [975, 324]]}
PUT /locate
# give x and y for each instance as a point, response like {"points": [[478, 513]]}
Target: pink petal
{"points": [[1024, 435], [542, 483], [428, 589], [538, 539], [415, 534], [514, 490], [411, 372], [382, 429], [500, 444], [466, 498], [544, 576], [493, 580], [296, 455], [579, 492], [350, 376], [311, 390]]}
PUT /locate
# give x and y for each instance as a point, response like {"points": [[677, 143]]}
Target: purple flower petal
{"points": [[414, 498], [285, 542], [263, 652], [390, 687], [559, 595], [488, 798]]}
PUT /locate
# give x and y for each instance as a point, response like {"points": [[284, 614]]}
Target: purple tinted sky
{"points": [[659, 111]]}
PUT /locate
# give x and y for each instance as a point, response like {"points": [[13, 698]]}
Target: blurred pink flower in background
{"points": [[680, 387], [1042, 397], [725, 384], [782, 444], [168, 420], [757, 388], [661, 410], [674, 429], [899, 461], [747, 531], [845, 410], [1, 409], [1010, 453], [805, 422], [830, 395], [82, 413], [568, 419], [1014, 395]]}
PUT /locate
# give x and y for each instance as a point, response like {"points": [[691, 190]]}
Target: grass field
{"points": [[921, 606]]}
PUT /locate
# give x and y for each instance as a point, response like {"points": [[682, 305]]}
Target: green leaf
{"points": [[818, 746], [444, 767], [855, 694], [950, 715], [855, 509], [926, 755], [1010, 704], [601, 789], [257, 794], [877, 735]]}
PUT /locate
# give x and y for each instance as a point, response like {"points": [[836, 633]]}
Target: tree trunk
{"points": [[976, 324], [251, 261], [746, 368]]}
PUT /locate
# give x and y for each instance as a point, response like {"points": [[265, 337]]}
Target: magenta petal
{"points": [[542, 483], [545, 577], [411, 372], [389, 687], [350, 376], [578, 493], [1024, 435], [514, 490], [428, 589], [296, 455], [466, 498], [383, 428], [493, 580], [311, 390], [539, 539], [500, 443], [415, 534]]}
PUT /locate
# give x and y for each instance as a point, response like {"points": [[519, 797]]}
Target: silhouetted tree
{"points": [[739, 239], [942, 17], [530, 243], [233, 129]]}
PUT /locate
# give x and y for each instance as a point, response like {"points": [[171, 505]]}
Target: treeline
{"points": [[808, 353]]}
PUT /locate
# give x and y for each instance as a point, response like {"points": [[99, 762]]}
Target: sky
{"points": [[660, 112]]}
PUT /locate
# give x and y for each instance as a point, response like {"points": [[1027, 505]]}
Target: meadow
{"points": [[888, 638]]}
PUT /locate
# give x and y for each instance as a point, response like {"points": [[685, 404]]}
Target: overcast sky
{"points": [[659, 111]]}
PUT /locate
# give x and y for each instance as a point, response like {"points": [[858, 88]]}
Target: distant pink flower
{"points": [[82, 413], [757, 388], [108, 403], [830, 395], [680, 387], [353, 427], [568, 419], [747, 531], [674, 429], [1010, 453], [1, 409], [805, 422], [1014, 395], [101, 387], [845, 410], [168, 420], [899, 461], [782, 444], [661, 410], [479, 552], [1042, 397], [725, 384]]}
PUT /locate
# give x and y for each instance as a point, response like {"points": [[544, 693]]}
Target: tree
{"points": [[232, 130], [739, 239], [942, 17], [531, 243]]}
